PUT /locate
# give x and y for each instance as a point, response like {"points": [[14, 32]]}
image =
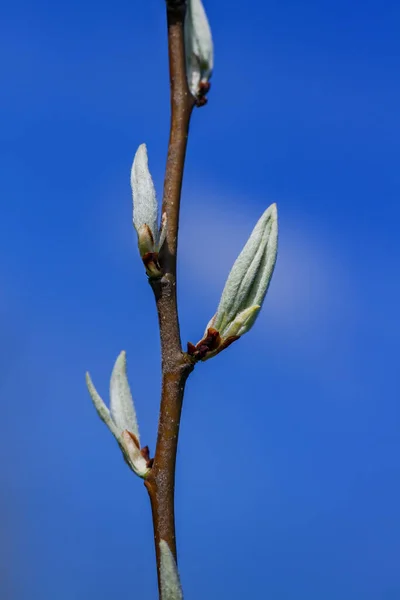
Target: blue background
{"points": [[288, 468]]}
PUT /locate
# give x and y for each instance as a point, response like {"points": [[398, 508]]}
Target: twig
{"points": [[176, 365]]}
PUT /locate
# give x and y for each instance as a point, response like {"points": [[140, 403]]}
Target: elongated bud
{"points": [[169, 576], [145, 208], [199, 50], [121, 418], [245, 289], [145, 213]]}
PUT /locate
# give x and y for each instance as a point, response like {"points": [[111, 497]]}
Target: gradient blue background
{"points": [[288, 470]]}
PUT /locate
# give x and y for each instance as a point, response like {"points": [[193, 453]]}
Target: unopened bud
{"points": [[245, 289], [145, 213], [169, 577], [121, 418], [199, 50]]}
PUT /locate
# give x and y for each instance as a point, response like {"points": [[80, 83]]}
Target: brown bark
{"points": [[176, 365]]}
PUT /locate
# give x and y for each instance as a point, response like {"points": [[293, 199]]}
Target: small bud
{"points": [[145, 213], [145, 240], [121, 418], [169, 577], [199, 50], [242, 322], [130, 447], [244, 291]]}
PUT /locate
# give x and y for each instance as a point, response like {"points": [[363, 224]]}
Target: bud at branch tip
{"points": [[199, 50]]}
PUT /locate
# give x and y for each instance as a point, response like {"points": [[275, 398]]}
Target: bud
{"points": [[169, 576], [145, 213], [121, 418], [244, 291], [199, 50]]}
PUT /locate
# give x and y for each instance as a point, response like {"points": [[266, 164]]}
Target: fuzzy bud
{"points": [[121, 418], [169, 576], [145, 213], [199, 50], [245, 289]]}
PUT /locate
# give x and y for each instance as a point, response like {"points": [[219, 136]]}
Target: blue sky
{"points": [[288, 468]]}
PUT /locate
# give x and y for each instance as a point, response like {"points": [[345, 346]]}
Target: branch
{"points": [[176, 365]]}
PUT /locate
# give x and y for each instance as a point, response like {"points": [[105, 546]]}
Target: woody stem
{"points": [[176, 365]]}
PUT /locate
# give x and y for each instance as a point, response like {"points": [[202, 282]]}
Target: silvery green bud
{"points": [[145, 213], [245, 289], [199, 50], [121, 418], [169, 576]]}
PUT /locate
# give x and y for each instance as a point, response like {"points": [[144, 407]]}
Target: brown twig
{"points": [[176, 365]]}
